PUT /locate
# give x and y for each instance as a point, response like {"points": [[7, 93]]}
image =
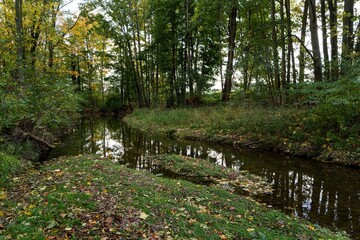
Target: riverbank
{"points": [[297, 132], [90, 197]]}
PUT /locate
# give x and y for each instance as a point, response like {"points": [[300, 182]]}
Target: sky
{"points": [[72, 5]]}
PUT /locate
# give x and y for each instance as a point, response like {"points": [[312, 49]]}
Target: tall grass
{"points": [[326, 128], [221, 118]]}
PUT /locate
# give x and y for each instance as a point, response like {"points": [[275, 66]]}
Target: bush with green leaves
{"points": [[113, 103], [338, 113], [43, 98]]}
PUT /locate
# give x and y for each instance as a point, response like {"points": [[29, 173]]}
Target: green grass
{"points": [[8, 165], [204, 172], [217, 119], [313, 133], [85, 197]]}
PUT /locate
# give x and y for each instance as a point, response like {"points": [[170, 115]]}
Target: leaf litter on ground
{"points": [[87, 197]]}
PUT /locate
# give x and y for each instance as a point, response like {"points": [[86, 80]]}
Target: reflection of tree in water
{"points": [[325, 194], [318, 196]]}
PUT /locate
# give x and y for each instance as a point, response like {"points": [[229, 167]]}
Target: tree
{"points": [[32, 94], [347, 36], [302, 39], [19, 41], [315, 42], [325, 39], [291, 54], [332, 5], [275, 46], [231, 49]]}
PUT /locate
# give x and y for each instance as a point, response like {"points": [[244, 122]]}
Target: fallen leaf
{"points": [[51, 225], [27, 213], [192, 221], [2, 195], [92, 222], [143, 215]]}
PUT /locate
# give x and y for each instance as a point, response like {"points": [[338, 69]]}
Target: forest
{"points": [[113, 56], [170, 52], [278, 75]]}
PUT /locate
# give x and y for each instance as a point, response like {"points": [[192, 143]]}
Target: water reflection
{"points": [[327, 195]]}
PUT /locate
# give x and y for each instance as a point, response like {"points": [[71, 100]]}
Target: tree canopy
{"points": [[166, 52]]}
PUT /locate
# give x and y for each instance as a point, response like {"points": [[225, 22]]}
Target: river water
{"points": [[327, 195]]}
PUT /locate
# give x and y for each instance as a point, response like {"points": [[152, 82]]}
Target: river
{"points": [[327, 195]]}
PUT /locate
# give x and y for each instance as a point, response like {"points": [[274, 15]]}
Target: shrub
{"points": [[113, 103]]}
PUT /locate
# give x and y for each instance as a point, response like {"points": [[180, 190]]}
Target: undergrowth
{"points": [[9, 165], [320, 120]]}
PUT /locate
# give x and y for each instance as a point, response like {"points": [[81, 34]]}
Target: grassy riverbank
{"points": [[310, 133], [86, 197]]}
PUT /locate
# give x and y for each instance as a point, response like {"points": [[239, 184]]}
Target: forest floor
{"points": [[296, 132], [87, 197]]}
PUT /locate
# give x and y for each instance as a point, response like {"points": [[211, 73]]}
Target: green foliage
{"points": [[211, 98], [328, 128], [8, 165], [48, 100], [258, 96], [113, 103], [339, 114]]}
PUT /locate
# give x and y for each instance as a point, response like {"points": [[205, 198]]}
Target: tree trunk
{"points": [[347, 38], [188, 47], [332, 4], [135, 76], [357, 45], [231, 45], [303, 36], [19, 41], [283, 47], [325, 40], [274, 46], [138, 72], [172, 90], [315, 42], [139, 61], [291, 54]]}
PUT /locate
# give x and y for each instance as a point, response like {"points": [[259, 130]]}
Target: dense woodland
{"points": [[171, 53], [278, 75]]}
